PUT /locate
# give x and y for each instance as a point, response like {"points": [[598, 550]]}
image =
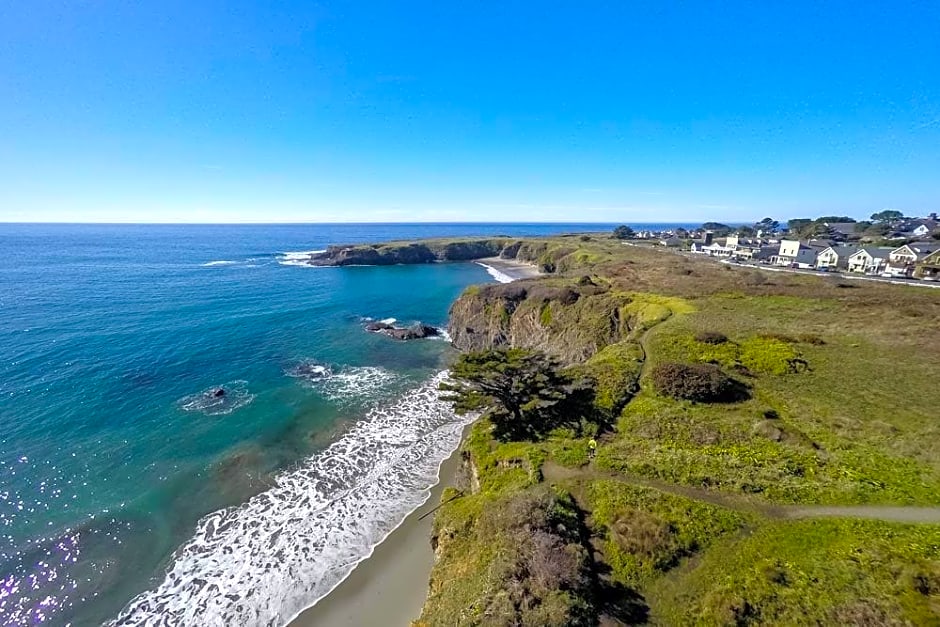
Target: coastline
{"points": [[390, 586], [508, 270]]}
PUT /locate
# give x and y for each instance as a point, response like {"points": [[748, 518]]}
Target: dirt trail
{"points": [[887, 513]]}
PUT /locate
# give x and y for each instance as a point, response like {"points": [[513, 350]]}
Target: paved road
{"points": [[769, 268]]}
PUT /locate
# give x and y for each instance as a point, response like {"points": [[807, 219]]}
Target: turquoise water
{"points": [[113, 457]]}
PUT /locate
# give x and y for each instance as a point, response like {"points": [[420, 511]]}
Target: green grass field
{"points": [[681, 506]]}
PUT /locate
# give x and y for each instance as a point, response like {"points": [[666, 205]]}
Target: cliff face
{"points": [[556, 255], [566, 318], [416, 253]]}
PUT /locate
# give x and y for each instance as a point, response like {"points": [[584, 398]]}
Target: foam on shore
{"points": [[499, 276], [297, 258], [265, 561]]}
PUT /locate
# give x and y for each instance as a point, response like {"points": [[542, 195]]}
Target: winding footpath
{"points": [[554, 472]]}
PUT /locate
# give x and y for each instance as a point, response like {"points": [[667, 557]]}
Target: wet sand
{"points": [[389, 587]]}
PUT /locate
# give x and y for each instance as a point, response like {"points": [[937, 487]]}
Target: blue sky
{"points": [[437, 111]]}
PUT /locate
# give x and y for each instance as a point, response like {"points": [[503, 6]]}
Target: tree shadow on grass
{"points": [[624, 605], [617, 603]]}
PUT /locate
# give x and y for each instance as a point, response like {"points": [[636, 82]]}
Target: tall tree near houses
{"points": [[886, 216]]}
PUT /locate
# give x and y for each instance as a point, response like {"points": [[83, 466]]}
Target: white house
{"points": [[921, 227], [901, 261], [835, 257], [717, 250], [794, 253], [868, 260]]}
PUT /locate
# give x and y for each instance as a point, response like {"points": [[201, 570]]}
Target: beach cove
{"points": [[153, 320]]}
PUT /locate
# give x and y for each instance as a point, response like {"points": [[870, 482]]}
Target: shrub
{"points": [[542, 567], [702, 383], [711, 337], [637, 531]]}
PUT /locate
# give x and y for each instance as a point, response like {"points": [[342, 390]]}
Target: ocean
{"points": [[131, 494]]}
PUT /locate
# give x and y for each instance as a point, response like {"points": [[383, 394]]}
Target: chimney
{"points": [[708, 237]]}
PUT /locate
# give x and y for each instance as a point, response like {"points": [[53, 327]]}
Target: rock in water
{"points": [[219, 393], [415, 332]]}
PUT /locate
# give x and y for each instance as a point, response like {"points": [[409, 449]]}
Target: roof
{"points": [[925, 222], [875, 252], [806, 255], [842, 251], [933, 258], [846, 228]]}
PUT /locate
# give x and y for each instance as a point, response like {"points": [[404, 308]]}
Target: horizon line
{"points": [[314, 223]]}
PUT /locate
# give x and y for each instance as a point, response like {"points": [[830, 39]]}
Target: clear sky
{"points": [[232, 111]]}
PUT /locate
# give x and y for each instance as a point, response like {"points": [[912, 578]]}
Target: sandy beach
{"points": [[389, 587], [512, 269]]}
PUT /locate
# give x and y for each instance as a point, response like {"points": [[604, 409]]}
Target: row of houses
{"points": [[917, 260]]}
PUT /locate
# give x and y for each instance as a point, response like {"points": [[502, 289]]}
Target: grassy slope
{"points": [[852, 420]]}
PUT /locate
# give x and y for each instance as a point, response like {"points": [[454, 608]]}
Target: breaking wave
{"points": [[223, 262], [500, 277], [210, 402], [265, 561], [297, 258]]}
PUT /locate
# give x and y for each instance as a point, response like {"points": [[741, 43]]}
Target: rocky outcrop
{"points": [[414, 332], [570, 319], [413, 252]]}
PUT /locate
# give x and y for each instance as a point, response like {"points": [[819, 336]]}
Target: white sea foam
{"points": [[265, 561], [442, 334], [388, 320], [309, 370], [297, 258], [235, 396], [354, 384], [501, 277], [223, 262]]}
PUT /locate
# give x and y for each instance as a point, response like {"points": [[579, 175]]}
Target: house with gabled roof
{"points": [[868, 260], [902, 260], [841, 230], [921, 227], [928, 268], [835, 257]]}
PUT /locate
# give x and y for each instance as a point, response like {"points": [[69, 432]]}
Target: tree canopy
{"points": [[798, 224], [888, 215], [623, 232], [717, 228], [834, 219], [525, 394], [768, 225]]}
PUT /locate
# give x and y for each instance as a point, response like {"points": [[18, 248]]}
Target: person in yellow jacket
{"points": [[592, 446]]}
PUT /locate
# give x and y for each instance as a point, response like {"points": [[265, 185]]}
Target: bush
{"points": [[711, 337], [702, 383]]}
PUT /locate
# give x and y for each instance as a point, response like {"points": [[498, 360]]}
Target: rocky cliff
{"points": [[569, 318], [416, 252]]}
